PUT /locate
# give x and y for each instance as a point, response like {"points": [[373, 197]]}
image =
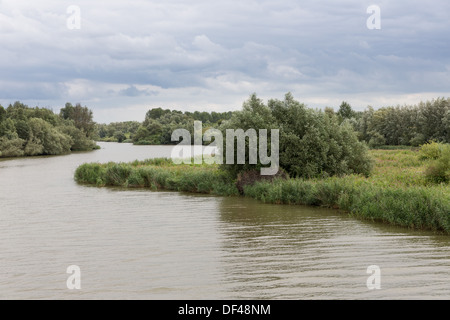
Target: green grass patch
{"points": [[158, 174]]}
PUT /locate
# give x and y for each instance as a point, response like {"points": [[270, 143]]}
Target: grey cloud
{"points": [[323, 46], [132, 91]]}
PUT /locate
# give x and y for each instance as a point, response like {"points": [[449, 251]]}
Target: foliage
{"points": [[116, 131], [438, 170], [405, 125], [81, 116], [311, 143], [26, 131], [345, 111], [396, 193], [432, 150], [79, 140], [11, 147], [157, 127], [158, 174]]}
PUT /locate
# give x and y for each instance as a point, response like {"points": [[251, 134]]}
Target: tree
{"points": [[254, 115], [8, 129], [329, 111], [28, 131], [45, 139], [2, 113], [311, 142], [79, 141], [345, 111], [432, 119], [82, 117], [120, 136], [11, 147], [365, 124]]}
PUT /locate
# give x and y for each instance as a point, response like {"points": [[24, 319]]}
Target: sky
{"points": [[122, 58]]}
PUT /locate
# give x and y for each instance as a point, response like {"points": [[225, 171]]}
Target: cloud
{"points": [[203, 53], [132, 91]]}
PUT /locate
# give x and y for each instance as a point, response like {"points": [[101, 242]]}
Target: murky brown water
{"points": [[138, 244]]}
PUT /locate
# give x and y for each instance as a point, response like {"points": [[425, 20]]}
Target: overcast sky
{"points": [[126, 57]]}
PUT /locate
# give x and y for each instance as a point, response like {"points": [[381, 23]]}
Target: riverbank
{"points": [[397, 192]]}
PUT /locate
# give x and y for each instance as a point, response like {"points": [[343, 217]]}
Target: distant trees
{"points": [[158, 130], [400, 125], [26, 131], [411, 125], [157, 127], [117, 131]]}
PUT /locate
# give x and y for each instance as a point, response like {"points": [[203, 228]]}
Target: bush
{"points": [[377, 140], [11, 148], [311, 143], [439, 170], [431, 150]]}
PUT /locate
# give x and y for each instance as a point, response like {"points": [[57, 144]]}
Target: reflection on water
{"points": [[291, 252], [138, 244]]}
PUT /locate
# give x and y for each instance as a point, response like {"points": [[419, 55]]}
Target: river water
{"points": [[139, 244]]}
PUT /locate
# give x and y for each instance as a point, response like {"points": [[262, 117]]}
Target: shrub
{"points": [[377, 140], [11, 148], [439, 170], [431, 150], [311, 143]]}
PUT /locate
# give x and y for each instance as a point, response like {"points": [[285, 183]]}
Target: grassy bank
{"points": [[397, 192], [158, 174]]}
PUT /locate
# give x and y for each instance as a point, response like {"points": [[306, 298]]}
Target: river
{"points": [[140, 244]]}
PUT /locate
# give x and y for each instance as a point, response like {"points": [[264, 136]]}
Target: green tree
{"points": [[311, 142], [2, 113], [8, 129], [82, 117], [28, 131], [432, 119], [119, 136], [45, 139], [11, 147], [345, 111], [79, 141]]}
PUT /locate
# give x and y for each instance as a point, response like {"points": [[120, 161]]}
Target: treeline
{"points": [[26, 131], [117, 131], [400, 125], [388, 126], [158, 126]]}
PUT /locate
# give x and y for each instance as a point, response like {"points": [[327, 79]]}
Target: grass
{"points": [[158, 174], [397, 192]]}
